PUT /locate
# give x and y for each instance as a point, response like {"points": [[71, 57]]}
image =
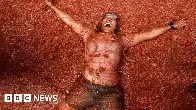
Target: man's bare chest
{"points": [[102, 46]]}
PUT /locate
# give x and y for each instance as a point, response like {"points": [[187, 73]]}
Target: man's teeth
{"points": [[107, 24]]}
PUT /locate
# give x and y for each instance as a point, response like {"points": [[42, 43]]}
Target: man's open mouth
{"points": [[108, 25]]}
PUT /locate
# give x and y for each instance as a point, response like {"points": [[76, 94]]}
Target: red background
{"points": [[40, 54]]}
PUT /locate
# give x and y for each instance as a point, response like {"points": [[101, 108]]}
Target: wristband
{"points": [[171, 24]]}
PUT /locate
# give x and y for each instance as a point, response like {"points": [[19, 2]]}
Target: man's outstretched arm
{"points": [[141, 37], [77, 27]]}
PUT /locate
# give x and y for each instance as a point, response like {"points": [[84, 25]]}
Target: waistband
{"points": [[91, 85]]}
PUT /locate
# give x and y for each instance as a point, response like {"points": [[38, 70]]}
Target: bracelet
{"points": [[171, 24]]}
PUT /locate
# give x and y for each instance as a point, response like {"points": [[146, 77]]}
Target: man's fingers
{"points": [[184, 20], [183, 23], [48, 3]]}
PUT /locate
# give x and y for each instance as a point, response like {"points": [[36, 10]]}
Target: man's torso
{"points": [[102, 57]]}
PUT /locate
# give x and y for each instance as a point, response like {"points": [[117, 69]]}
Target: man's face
{"points": [[109, 23]]}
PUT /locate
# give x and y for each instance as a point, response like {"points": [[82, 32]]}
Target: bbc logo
{"points": [[29, 98], [17, 97]]}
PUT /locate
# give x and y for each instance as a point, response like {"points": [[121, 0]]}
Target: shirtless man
{"points": [[99, 84]]}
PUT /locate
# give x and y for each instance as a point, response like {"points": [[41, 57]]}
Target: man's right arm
{"points": [[77, 27]]}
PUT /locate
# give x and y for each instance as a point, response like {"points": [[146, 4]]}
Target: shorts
{"points": [[85, 94]]}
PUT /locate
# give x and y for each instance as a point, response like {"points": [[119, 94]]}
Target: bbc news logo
{"points": [[29, 98]]}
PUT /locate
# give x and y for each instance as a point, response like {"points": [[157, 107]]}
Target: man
{"points": [[99, 85]]}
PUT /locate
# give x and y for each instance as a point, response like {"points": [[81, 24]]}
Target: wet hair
{"points": [[99, 26]]}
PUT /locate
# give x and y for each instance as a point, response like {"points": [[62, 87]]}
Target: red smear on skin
{"points": [[92, 80], [90, 55], [101, 69], [90, 69], [97, 55], [106, 55]]}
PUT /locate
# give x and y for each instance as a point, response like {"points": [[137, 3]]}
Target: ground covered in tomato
{"points": [[40, 54]]}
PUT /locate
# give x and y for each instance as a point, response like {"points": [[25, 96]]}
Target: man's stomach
{"points": [[103, 76]]}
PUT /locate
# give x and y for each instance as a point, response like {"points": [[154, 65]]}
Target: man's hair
{"points": [[99, 26]]}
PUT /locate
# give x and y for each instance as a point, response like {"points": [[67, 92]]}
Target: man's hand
{"points": [[49, 3], [76, 26], [179, 24]]}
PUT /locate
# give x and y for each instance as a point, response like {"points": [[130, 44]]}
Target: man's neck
{"points": [[107, 33]]}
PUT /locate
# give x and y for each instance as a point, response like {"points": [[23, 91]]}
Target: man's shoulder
{"points": [[126, 39]]}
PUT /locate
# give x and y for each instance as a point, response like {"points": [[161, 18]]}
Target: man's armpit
{"points": [[85, 33], [128, 40]]}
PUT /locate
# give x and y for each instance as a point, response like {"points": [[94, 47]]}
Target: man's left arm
{"points": [[141, 37]]}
